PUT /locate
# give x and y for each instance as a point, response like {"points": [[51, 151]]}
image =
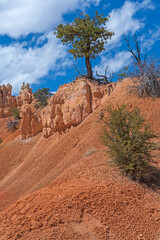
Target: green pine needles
{"points": [[129, 140], [85, 36], [42, 95]]}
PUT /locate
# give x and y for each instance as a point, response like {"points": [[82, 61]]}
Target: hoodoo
{"points": [[7, 101]]}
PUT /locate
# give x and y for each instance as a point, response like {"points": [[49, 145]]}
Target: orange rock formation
{"points": [[25, 95], [71, 104], [31, 123], [7, 102]]}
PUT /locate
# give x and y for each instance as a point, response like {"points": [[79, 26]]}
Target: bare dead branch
{"points": [[106, 79], [82, 75], [144, 71], [130, 49], [138, 50]]}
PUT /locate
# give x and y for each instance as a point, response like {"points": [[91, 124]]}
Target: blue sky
{"points": [[29, 51]]}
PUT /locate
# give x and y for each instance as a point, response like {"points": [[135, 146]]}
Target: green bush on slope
{"points": [[129, 141]]}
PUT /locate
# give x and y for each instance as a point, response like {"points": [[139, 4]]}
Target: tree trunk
{"points": [[89, 69]]}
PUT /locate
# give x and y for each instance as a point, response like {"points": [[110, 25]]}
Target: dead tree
{"points": [[145, 72], [104, 78], [136, 55]]}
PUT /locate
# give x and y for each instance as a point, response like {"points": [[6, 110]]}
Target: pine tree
{"points": [[86, 37], [42, 95]]}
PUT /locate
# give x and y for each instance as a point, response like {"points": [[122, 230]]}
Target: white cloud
{"points": [[19, 64], [84, 4], [146, 4], [148, 42], [21, 17], [116, 63], [122, 21], [106, 5], [88, 2]]}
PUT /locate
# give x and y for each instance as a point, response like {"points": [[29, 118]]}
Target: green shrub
{"points": [[129, 140], [15, 113], [1, 140]]}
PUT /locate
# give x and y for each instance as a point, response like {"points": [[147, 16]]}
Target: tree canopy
{"points": [[85, 36]]}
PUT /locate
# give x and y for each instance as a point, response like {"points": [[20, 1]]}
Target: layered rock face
{"points": [[71, 104], [68, 107], [25, 95], [7, 102], [31, 123]]}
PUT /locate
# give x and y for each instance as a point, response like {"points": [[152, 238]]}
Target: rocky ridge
{"points": [[67, 108]]}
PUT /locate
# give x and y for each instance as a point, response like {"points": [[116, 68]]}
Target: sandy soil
{"points": [[66, 187]]}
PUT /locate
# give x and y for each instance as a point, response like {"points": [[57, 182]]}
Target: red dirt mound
{"points": [[84, 196]]}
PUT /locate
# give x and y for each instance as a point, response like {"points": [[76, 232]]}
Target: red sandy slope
{"points": [[84, 197], [6, 135]]}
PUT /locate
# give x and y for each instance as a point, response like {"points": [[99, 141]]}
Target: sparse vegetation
{"points": [[85, 36], [144, 71], [16, 113], [129, 140], [122, 74], [1, 140], [11, 125], [42, 95], [146, 83]]}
